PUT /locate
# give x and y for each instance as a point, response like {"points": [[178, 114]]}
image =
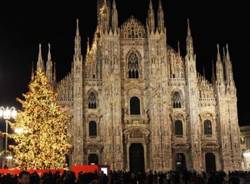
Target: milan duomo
{"points": [[137, 104]]}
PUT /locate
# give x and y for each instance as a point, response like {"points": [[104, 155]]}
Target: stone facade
{"points": [[133, 91]]}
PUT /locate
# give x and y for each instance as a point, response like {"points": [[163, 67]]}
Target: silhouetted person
{"points": [[234, 179], [24, 178], [103, 178]]}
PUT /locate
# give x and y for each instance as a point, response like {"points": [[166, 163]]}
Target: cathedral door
{"points": [[210, 162], [180, 162], [92, 159], [136, 158]]}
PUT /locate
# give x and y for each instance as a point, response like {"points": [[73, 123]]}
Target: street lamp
{"points": [[7, 113], [9, 157]]}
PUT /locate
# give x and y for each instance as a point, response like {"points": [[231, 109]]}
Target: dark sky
{"points": [[23, 26]]}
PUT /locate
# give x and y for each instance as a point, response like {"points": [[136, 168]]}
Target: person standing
{"points": [[24, 178]]}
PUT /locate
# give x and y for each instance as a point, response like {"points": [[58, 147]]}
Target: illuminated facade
{"points": [[138, 104]]}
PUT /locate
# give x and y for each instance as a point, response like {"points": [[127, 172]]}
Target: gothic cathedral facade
{"points": [[137, 104]]}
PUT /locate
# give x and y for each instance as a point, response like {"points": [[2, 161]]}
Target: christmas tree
{"points": [[42, 140]]}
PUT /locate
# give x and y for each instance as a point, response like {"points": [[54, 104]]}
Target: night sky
{"points": [[24, 26]]}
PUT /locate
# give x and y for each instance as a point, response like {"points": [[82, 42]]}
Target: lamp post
{"points": [[7, 113]]}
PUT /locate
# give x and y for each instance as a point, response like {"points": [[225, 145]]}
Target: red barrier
{"points": [[76, 169], [10, 171], [42, 171], [84, 168]]}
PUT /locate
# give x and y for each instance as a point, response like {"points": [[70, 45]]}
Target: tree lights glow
{"points": [[41, 126]]}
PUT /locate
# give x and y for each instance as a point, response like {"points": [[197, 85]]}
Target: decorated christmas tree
{"points": [[42, 140]]}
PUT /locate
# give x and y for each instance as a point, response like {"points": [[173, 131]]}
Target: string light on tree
{"points": [[42, 140]]}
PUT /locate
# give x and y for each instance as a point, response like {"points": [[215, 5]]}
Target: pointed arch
{"points": [[208, 127], [133, 65], [134, 105], [176, 100], [178, 128], [92, 100], [92, 129]]}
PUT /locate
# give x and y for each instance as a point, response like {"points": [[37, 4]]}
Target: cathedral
{"points": [[138, 104]]}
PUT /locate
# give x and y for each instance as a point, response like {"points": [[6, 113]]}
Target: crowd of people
{"points": [[121, 177]]}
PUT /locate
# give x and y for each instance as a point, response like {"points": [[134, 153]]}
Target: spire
{"points": [[77, 39], [88, 46], [151, 18], [103, 15], [219, 67], [54, 73], [160, 18], [77, 28], [178, 48], [99, 7], [114, 17], [227, 53], [188, 29], [189, 41], [49, 66], [218, 53], [49, 53], [40, 64], [32, 71], [228, 67]]}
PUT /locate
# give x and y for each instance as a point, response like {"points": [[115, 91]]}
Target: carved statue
{"points": [[148, 115]]}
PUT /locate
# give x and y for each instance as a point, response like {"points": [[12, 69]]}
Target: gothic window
{"points": [[178, 128], [134, 106], [133, 66], [176, 100], [92, 129], [208, 127], [92, 101]]}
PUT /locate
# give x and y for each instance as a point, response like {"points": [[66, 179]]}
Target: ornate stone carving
{"points": [[162, 71], [133, 29]]}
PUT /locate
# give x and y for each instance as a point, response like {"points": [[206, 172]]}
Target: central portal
{"points": [[136, 158]]}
